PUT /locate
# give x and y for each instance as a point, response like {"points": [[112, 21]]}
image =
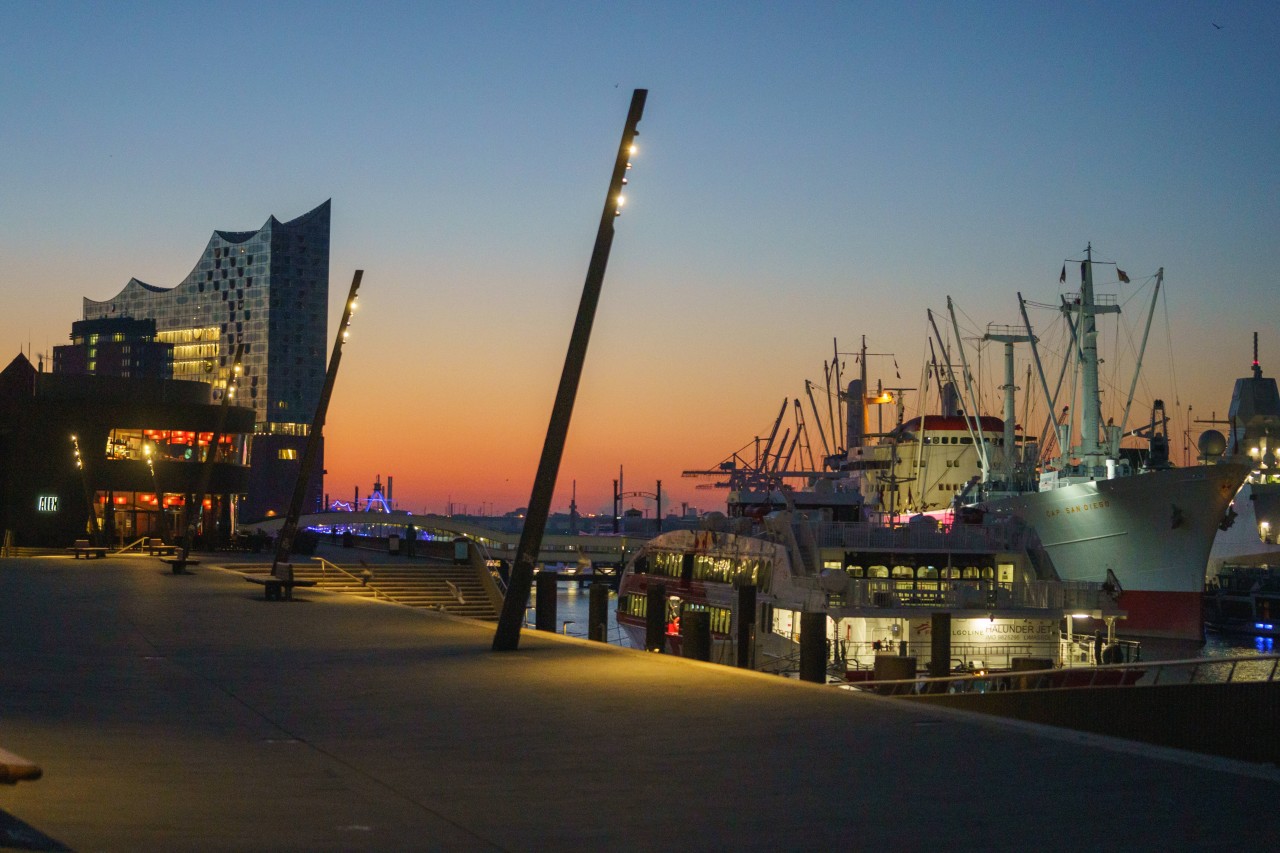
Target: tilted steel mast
{"points": [[288, 530], [507, 637]]}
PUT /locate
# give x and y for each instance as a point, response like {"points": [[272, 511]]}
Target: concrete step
{"points": [[413, 585]]}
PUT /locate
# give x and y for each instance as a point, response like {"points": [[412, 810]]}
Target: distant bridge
{"points": [[494, 544]]}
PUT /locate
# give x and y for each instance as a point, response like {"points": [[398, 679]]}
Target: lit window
{"points": [[287, 453]]}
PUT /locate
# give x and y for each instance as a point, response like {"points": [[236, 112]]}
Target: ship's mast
{"points": [[1007, 336], [1091, 417]]}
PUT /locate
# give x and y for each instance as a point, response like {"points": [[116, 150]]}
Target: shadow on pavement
{"points": [[16, 835]]}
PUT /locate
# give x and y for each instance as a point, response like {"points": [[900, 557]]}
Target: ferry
{"points": [[881, 587]]}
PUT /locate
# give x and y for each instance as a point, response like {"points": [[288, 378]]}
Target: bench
{"points": [[280, 583], [15, 769], [178, 564], [157, 548], [82, 548]]}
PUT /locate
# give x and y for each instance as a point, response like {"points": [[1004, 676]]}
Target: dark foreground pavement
{"points": [[186, 713]]}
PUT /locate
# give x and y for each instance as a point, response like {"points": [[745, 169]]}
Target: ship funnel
{"points": [[950, 400], [856, 430]]}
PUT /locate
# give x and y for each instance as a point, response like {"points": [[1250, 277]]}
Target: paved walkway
{"points": [[186, 713]]}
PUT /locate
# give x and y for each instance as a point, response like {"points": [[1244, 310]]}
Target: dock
{"points": [[186, 713]]}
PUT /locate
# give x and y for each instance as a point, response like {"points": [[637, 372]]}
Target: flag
{"points": [[1062, 278], [1124, 276]]}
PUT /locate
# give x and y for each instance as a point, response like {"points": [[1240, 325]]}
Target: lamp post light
{"points": [[95, 528]]}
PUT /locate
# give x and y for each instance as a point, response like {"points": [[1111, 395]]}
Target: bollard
{"points": [[813, 647], [598, 612], [940, 645], [746, 625], [545, 602], [695, 634], [655, 618]]}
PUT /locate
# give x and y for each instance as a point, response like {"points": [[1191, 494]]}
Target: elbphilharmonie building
{"points": [[267, 290]]}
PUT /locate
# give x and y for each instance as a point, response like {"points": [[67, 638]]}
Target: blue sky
{"points": [[807, 171]]}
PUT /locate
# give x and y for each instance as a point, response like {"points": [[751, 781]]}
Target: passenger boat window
{"points": [[854, 571], [633, 605], [903, 572], [988, 573], [878, 571], [951, 572], [969, 572], [927, 572], [764, 574], [667, 563]]}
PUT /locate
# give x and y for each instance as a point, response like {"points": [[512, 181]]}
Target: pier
{"points": [[184, 712]]}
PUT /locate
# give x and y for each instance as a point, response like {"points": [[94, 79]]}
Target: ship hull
{"points": [[1153, 531]]}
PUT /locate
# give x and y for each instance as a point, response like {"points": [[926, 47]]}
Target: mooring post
{"points": [[746, 625], [598, 612], [655, 618], [507, 636], [695, 634], [813, 647], [940, 645], [545, 604]]}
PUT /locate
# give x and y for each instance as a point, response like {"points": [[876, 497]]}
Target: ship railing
{"points": [[921, 537], [965, 657], [975, 594], [1231, 670]]}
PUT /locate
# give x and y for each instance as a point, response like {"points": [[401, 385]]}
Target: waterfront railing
{"points": [[1230, 670]]}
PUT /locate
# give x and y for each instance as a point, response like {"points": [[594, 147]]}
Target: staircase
{"points": [[450, 588]]}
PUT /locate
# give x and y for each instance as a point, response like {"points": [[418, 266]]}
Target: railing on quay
{"points": [[1232, 670], [616, 636], [325, 565]]}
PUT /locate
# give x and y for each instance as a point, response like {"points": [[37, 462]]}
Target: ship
{"points": [[888, 592], [1101, 511], [1245, 601], [1250, 531]]}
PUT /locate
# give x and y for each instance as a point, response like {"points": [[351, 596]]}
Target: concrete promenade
{"points": [[184, 713]]}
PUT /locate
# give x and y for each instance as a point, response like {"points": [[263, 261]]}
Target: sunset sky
{"points": [[807, 172]]}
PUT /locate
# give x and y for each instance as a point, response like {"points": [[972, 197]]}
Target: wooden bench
{"points": [[82, 548], [280, 583], [178, 564], [157, 548], [15, 769]]}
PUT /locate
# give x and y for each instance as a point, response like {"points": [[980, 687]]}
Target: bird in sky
{"points": [[1216, 26]]}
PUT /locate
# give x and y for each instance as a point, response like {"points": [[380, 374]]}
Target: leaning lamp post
{"points": [[507, 637]]}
